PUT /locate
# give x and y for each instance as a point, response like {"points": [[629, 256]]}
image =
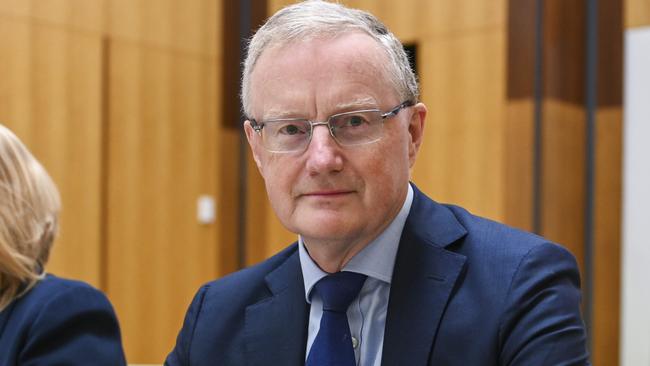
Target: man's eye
{"points": [[354, 121], [290, 129]]}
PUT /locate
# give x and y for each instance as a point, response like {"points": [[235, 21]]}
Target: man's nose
{"points": [[324, 153]]}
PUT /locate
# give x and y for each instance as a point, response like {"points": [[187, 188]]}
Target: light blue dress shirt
{"points": [[367, 313]]}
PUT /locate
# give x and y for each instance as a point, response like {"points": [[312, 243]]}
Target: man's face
{"points": [[330, 193]]}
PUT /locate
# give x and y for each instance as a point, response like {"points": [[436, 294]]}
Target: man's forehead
{"points": [[347, 47], [319, 77], [304, 109]]}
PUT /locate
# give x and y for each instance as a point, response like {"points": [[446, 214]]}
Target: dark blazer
{"points": [[466, 291], [60, 322]]}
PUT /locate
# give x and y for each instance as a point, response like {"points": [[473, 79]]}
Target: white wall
{"points": [[635, 332]]}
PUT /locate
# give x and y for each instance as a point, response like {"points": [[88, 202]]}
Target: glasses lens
{"points": [[289, 135], [357, 127]]}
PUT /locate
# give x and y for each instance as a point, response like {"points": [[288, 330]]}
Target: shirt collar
{"points": [[376, 260]]}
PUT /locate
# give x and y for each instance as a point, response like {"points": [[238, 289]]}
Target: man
{"points": [[381, 274]]}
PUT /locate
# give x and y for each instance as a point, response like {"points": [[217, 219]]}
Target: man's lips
{"points": [[327, 193]]}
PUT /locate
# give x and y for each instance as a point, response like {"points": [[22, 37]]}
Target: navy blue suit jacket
{"points": [[466, 291], [60, 322]]}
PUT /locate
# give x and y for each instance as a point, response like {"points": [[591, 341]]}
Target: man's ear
{"points": [[416, 131], [254, 143]]}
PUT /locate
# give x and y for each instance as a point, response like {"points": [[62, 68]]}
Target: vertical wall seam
{"points": [[538, 91], [104, 161], [245, 15], [591, 94]]}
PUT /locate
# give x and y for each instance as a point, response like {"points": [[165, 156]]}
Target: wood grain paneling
{"points": [[607, 234], [518, 164], [119, 100], [19, 8], [637, 13], [521, 49], [163, 155], [462, 157], [610, 54], [228, 210], [564, 50], [50, 95], [435, 18], [257, 220], [563, 178], [80, 15], [190, 26], [417, 19]]}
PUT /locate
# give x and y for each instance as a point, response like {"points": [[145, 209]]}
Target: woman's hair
{"points": [[29, 209], [320, 19]]}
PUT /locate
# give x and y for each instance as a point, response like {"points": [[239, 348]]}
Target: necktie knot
{"points": [[339, 289]]}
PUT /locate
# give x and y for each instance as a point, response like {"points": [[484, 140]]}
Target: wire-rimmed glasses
{"points": [[349, 128]]}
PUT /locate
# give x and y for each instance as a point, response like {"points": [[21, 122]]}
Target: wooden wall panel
{"points": [[414, 20], [165, 150], [19, 8], [462, 157], [190, 26], [418, 19], [163, 155], [228, 210], [257, 215], [125, 91], [518, 164], [50, 96], [607, 234], [637, 13], [563, 175], [81, 15]]}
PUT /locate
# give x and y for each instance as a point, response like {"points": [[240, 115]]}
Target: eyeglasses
{"points": [[348, 129]]}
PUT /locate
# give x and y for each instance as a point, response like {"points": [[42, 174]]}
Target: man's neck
{"points": [[331, 257]]}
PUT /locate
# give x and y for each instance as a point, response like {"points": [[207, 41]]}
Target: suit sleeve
{"points": [[77, 326], [542, 324], [180, 355]]}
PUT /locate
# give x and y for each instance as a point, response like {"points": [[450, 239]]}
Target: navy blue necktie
{"points": [[333, 343]]}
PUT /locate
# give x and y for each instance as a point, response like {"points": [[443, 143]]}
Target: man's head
{"points": [[338, 184]]}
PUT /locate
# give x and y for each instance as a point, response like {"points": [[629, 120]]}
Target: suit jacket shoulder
{"points": [[245, 316], [60, 321], [464, 280]]}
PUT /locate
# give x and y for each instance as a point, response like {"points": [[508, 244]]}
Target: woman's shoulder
{"points": [[64, 296], [72, 293], [52, 283], [61, 319]]}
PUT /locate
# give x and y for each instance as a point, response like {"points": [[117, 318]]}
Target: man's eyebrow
{"points": [[363, 103], [274, 114]]}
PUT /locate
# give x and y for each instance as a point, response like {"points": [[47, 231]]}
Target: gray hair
{"points": [[320, 19]]}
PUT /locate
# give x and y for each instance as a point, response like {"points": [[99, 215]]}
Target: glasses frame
{"points": [[258, 126]]}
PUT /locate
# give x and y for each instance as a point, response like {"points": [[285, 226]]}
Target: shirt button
{"points": [[355, 343]]}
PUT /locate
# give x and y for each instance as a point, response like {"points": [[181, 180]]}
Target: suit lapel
{"points": [[276, 327], [424, 277]]}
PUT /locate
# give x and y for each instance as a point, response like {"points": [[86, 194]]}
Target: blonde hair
{"points": [[29, 210]]}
